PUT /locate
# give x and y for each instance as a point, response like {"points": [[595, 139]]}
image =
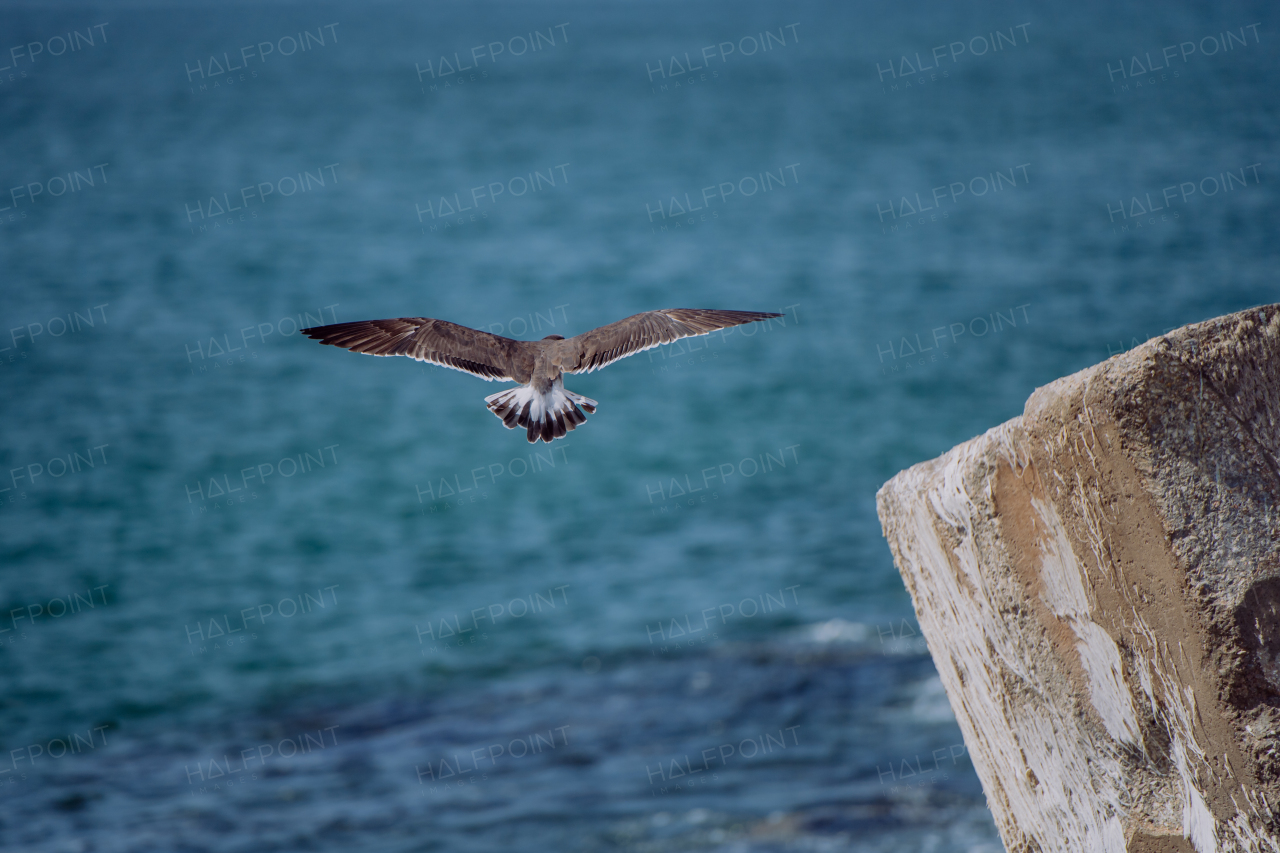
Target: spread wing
{"points": [[640, 332], [435, 341]]}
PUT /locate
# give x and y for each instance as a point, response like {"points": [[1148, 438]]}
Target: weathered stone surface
{"points": [[1098, 581]]}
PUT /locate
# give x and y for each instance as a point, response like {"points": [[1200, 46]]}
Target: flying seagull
{"points": [[541, 404]]}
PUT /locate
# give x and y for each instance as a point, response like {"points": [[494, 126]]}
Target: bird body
{"points": [[540, 404]]}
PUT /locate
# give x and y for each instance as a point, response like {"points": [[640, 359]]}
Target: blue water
{"points": [[278, 596]]}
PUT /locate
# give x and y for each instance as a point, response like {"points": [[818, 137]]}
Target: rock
{"points": [[1098, 581]]}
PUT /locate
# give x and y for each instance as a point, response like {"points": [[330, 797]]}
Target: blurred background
{"points": [[260, 594]]}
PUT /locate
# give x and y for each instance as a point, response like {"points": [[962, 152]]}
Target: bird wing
{"points": [[435, 341], [639, 332]]}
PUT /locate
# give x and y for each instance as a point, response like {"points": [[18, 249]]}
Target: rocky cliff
{"points": [[1098, 581]]}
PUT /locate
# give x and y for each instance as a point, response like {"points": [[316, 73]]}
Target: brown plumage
{"points": [[540, 404]]}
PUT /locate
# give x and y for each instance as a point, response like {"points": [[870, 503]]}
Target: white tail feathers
{"points": [[546, 416]]}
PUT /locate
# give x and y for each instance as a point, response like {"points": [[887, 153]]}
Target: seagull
{"points": [[540, 404]]}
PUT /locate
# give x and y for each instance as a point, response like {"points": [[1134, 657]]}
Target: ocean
{"points": [[259, 594]]}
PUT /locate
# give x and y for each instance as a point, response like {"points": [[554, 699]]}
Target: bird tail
{"points": [[545, 416]]}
